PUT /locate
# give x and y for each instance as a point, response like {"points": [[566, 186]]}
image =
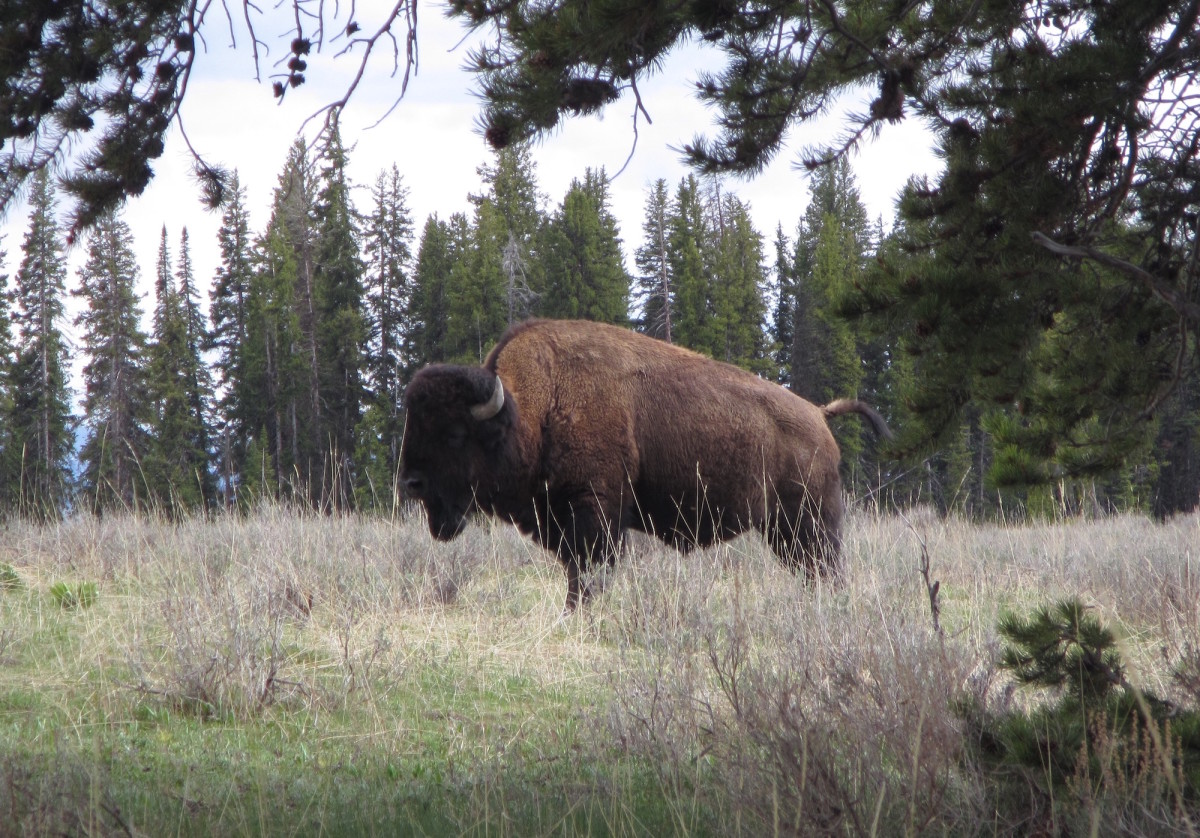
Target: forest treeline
{"points": [[291, 386]]}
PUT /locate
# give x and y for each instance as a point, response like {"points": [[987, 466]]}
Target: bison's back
{"points": [[700, 449]]}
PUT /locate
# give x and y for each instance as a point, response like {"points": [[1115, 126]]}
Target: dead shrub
{"points": [[812, 720], [223, 655]]}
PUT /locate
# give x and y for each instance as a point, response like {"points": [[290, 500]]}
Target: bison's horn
{"points": [[488, 409]]}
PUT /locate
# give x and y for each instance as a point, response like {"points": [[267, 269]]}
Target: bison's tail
{"points": [[840, 407]]}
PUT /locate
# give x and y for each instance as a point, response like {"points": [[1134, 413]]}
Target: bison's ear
{"points": [[488, 408]]}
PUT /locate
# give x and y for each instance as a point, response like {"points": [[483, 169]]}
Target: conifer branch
{"points": [[1184, 307]]}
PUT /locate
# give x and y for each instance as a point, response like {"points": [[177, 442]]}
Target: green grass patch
{"points": [[10, 580], [70, 595]]}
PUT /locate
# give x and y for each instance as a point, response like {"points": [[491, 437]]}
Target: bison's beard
{"points": [[446, 520]]}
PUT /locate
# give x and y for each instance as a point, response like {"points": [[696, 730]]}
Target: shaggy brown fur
{"points": [[602, 429]]}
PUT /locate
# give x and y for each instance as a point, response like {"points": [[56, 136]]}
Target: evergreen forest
{"points": [[282, 376]]}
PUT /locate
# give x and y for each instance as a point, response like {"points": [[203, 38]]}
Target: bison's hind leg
{"points": [[808, 538]]}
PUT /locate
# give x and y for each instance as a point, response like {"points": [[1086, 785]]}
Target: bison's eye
{"points": [[456, 436]]}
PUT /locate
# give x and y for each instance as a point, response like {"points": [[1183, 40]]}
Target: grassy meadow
{"points": [[289, 674]]}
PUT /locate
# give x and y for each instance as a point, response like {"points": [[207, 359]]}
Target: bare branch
{"points": [[933, 587], [247, 7], [638, 106], [409, 9]]}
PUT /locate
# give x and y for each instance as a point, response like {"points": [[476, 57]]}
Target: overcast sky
{"points": [[431, 136]]}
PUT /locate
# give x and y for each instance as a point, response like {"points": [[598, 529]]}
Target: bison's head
{"points": [[455, 420]]}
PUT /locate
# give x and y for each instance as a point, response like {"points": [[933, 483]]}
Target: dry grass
{"points": [[291, 673]]}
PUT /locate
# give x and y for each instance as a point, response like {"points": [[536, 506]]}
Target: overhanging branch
{"points": [[1182, 306]]}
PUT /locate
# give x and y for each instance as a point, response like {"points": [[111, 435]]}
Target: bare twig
{"points": [[409, 9], [638, 106], [932, 586]]}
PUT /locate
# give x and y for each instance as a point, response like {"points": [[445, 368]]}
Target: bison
{"points": [[576, 431]]}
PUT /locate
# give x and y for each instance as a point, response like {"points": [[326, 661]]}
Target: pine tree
{"points": [[823, 354], [275, 372], [655, 290], [783, 322], [375, 465], [442, 243], [68, 66], [736, 330], [478, 306], [834, 191], [280, 404], [106, 81], [584, 271], [388, 240], [707, 265], [176, 466], [513, 194], [958, 472], [162, 283], [260, 475], [516, 269], [836, 264], [831, 245], [511, 186], [196, 376], [1176, 461], [227, 312], [294, 219], [168, 486], [493, 280], [10, 455], [162, 358], [40, 419], [340, 328], [688, 231], [116, 402], [801, 352], [1065, 213], [943, 478]]}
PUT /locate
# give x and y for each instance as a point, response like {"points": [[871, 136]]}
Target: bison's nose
{"points": [[414, 483]]}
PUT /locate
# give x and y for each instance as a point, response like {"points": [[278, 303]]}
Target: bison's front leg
{"points": [[576, 591], [583, 536]]}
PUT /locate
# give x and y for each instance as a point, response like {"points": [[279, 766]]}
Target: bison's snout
{"points": [[446, 530], [447, 517]]}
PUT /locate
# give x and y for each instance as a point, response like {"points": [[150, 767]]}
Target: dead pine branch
{"points": [[932, 586]]}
